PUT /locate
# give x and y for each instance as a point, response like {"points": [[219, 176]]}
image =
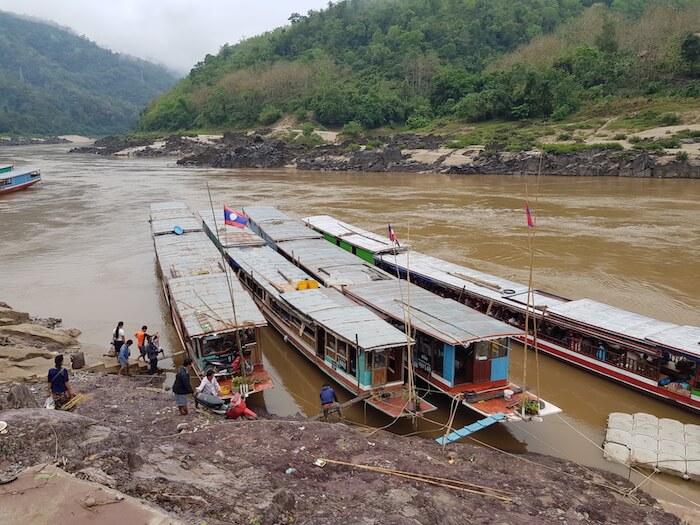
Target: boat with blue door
{"points": [[658, 358], [459, 351], [349, 343], [16, 180], [216, 320]]}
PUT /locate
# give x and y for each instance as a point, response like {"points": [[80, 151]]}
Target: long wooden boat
{"points": [[16, 180], [459, 351], [215, 318], [355, 347], [654, 357]]}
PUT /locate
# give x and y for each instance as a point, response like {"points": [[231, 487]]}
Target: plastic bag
{"points": [[49, 403]]}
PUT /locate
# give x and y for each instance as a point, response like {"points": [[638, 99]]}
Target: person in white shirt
{"points": [[209, 384]]}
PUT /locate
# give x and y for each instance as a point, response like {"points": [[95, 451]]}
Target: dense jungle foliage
{"points": [[54, 82], [412, 62]]}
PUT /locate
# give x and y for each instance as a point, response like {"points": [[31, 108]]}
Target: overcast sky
{"points": [[175, 33]]}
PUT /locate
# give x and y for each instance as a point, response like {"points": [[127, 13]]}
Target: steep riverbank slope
{"points": [[123, 435]]}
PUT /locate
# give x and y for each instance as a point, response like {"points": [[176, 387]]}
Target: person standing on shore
{"points": [[152, 350], [118, 339], [182, 387], [141, 336], [59, 383], [124, 354]]}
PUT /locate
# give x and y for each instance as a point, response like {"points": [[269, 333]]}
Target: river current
{"points": [[79, 247]]}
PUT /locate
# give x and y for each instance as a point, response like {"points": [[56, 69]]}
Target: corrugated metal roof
{"points": [[269, 269], [338, 314], [205, 306], [185, 255], [367, 240], [229, 235], [329, 263], [166, 215], [277, 225], [444, 319], [683, 338], [609, 318]]}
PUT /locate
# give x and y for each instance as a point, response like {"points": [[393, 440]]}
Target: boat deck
{"points": [[396, 405]]}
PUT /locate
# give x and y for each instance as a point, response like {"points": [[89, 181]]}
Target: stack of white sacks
{"points": [[652, 443]]}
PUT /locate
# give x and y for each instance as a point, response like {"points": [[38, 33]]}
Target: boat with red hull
{"points": [[16, 180], [655, 357]]}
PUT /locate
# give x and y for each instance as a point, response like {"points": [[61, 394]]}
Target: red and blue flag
{"points": [[392, 236], [233, 218], [530, 219]]}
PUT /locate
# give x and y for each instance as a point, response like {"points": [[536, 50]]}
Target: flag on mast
{"points": [[530, 219], [233, 218], [392, 236]]}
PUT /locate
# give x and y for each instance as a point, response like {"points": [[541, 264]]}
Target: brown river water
{"points": [[79, 247]]}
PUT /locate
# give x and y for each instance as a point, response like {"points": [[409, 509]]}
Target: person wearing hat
{"points": [[238, 408], [182, 387]]}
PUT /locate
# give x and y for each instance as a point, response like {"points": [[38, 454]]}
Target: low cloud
{"points": [[175, 33]]}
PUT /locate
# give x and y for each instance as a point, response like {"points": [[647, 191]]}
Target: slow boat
{"points": [[349, 343], [459, 351], [17, 180], [215, 318], [655, 357]]}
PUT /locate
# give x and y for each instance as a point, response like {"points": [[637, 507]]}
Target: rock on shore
{"points": [[123, 435], [28, 345], [24, 141]]}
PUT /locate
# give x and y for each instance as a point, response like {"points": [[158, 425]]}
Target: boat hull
{"points": [[19, 187]]}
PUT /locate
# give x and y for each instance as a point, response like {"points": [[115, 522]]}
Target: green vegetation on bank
{"points": [[53, 82], [423, 64]]}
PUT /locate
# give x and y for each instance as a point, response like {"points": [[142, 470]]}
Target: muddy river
{"points": [[79, 247]]}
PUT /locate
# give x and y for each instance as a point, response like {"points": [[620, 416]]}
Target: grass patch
{"points": [[682, 156], [573, 148]]}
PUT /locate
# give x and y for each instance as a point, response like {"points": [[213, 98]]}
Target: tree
{"points": [[606, 39]]}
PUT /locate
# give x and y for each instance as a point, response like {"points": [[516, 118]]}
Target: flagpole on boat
{"points": [[228, 277]]}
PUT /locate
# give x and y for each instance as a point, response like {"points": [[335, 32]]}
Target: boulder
{"points": [[20, 396]]}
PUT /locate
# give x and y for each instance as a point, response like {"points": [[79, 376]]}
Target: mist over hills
{"points": [[53, 81]]}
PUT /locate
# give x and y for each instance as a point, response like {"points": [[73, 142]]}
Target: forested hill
{"points": [[414, 62], [53, 81]]}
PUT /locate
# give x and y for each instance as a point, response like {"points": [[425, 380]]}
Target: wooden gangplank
{"points": [[351, 402]]}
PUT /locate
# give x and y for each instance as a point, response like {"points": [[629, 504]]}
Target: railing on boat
{"points": [[610, 357]]}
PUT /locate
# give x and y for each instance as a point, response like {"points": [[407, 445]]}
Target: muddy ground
{"points": [[124, 435]]}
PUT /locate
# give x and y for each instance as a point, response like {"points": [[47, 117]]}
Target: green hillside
{"points": [[415, 63], [53, 81]]}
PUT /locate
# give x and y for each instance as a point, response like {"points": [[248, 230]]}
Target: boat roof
{"points": [[331, 309], [229, 235], [278, 226], [364, 239], [269, 269], [612, 319], [329, 263], [166, 215], [462, 278], [187, 255], [682, 338], [444, 319], [6, 166], [205, 306]]}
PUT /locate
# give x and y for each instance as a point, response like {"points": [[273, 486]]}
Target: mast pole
{"points": [[228, 277]]}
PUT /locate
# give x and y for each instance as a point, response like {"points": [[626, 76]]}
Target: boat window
{"points": [[4, 182], [330, 346], [499, 348], [482, 350], [379, 359]]}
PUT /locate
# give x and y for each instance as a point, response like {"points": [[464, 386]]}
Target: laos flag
{"points": [[234, 219]]}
